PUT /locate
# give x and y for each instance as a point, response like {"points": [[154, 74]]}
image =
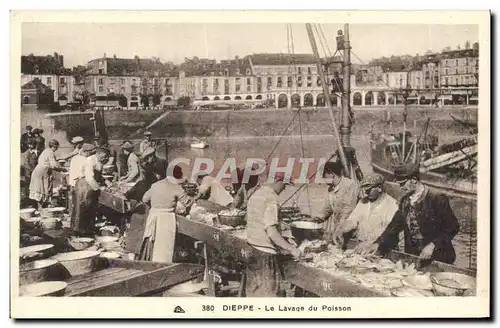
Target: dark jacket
{"points": [[158, 167], [40, 144], [438, 224], [25, 140]]}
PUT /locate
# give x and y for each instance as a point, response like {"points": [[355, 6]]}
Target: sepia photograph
{"points": [[217, 164]]}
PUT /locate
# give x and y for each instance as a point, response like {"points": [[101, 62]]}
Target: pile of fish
{"points": [[375, 273]]}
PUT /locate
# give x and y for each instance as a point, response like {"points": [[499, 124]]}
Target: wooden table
{"points": [[116, 277]]}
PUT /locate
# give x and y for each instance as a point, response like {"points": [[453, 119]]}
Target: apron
{"points": [[159, 236], [85, 203]]}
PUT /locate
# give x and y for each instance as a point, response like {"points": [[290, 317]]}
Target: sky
{"points": [[81, 42]]}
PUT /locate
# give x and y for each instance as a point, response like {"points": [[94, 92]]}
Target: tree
{"points": [[184, 102], [458, 47], [467, 45], [475, 47]]}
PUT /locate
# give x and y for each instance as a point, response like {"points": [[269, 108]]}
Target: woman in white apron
{"points": [[159, 235]]}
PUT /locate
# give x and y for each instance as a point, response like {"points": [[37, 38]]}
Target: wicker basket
{"points": [[231, 220]]}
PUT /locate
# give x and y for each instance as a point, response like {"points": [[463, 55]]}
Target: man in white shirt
{"points": [[87, 193], [134, 173]]}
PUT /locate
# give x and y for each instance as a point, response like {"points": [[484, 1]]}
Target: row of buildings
{"points": [[281, 80]]}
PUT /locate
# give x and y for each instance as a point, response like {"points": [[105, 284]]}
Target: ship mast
{"points": [[326, 92]]}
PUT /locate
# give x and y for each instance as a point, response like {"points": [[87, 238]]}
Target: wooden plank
{"points": [[95, 274], [101, 281], [131, 264], [114, 201], [147, 282], [225, 242], [323, 284]]}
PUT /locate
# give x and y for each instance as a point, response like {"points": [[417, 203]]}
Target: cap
{"points": [[148, 152], [280, 176], [127, 145], [406, 171], [77, 139], [36, 130], [372, 180], [147, 133], [88, 147], [29, 127]]}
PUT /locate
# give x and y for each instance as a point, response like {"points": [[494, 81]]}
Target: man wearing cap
{"points": [[146, 142], [26, 137], [341, 199], [264, 270], [77, 170], [77, 144], [426, 218], [370, 217], [86, 200], [134, 170]]}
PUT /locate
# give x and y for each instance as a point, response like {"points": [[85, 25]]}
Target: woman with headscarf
{"points": [[159, 234], [30, 160], [41, 184]]}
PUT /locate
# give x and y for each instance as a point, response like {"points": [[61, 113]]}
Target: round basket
{"points": [[46, 288], [27, 213], [35, 271], [79, 244], [35, 249], [231, 220], [451, 283], [78, 263]]}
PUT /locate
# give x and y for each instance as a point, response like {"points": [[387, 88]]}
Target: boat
{"points": [[199, 144], [448, 168]]}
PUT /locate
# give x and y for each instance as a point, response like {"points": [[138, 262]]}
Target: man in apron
{"points": [[264, 270], [86, 200]]}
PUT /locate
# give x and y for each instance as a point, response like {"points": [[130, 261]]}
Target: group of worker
{"points": [[365, 214]]}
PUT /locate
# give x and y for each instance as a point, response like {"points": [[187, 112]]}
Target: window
{"points": [[445, 71], [122, 81], [63, 80], [101, 88], [456, 70], [456, 81], [249, 88], [300, 70], [318, 82], [226, 86], [249, 81], [289, 81], [101, 71], [309, 79], [259, 80], [466, 70], [269, 81], [445, 81], [249, 72], [101, 81], [122, 90], [456, 62], [279, 82], [299, 81], [309, 70], [238, 88]]}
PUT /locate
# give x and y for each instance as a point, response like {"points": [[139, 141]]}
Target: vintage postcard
{"points": [[220, 162]]}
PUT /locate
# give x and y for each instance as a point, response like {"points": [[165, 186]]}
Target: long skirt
{"points": [[159, 236], [41, 184], [85, 204]]}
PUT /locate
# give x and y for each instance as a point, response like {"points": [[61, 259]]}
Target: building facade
{"points": [[459, 68], [129, 82]]}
